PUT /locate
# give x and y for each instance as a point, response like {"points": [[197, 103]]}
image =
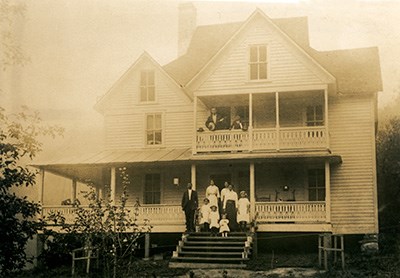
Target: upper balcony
{"points": [[284, 121]]}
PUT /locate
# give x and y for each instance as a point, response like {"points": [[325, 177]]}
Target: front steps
{"points": [[201, 250]]}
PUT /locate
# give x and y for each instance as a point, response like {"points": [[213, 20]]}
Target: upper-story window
{"points": [[147, 86], [315, 115], [258, 62], [154, 129]]}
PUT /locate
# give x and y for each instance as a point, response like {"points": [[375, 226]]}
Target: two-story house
{"points": [[306, 156]]}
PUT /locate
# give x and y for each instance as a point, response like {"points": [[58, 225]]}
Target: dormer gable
{"points": [[255, 36], [143, 83]]}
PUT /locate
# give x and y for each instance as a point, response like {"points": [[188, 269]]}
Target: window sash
{"points": [[154, 129], [316, 185], [315, 115], [152, 189], [147, 86], [258, 62]]}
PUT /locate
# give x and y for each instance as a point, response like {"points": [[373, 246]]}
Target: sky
{"points": [[79, 48]]}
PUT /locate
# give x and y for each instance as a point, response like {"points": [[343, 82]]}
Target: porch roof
{"points": [[121, 157]]}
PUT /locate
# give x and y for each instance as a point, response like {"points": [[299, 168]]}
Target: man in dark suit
{"points": [[215, 121], [190, 203]]}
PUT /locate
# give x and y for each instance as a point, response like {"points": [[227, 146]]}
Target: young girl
{"points": [[214, 218], [243, 215], [223, 226], [204, 216]]}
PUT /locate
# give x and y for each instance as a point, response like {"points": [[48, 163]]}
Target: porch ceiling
{"points": [[89, 166]]}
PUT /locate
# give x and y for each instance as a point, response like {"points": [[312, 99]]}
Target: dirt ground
{"points": [[230, 273]]}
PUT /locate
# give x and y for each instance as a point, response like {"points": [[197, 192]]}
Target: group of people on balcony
{"points": [[221, 212], [217, 121]]}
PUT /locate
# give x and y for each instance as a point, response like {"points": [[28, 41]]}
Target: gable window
{"points": [[316, 185], [315, 115], [152, 189], [154, 129], [147, 86], [258, 62]]}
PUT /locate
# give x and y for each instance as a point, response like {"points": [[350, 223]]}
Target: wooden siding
{"points": [[285, 68], [353, 183], [125, 115]]}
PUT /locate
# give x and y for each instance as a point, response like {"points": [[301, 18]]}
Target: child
{"points": [[214, 218], [223, 226], [204, 216], [243, 215]]}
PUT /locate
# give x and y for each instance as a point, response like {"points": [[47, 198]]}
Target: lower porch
{"points": [[290, 194]]}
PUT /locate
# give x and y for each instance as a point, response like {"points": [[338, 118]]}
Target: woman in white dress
{"points": [[243, 214], [212, 194]]}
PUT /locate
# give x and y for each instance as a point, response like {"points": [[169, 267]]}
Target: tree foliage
{"points": [[388, 169], [19, 143]]}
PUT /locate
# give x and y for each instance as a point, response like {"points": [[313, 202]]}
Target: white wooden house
{"points": [[307, 158]]}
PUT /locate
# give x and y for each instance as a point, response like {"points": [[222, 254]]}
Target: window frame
{"points": [[315, 121], [146, 86], [258, 62], [144, 187], [317, 187], [146, 130]]}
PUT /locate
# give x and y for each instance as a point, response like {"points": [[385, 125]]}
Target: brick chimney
{"points": [[186, 26]]}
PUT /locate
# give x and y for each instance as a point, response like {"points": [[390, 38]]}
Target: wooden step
{"points": [[243, 238], [213, 247], [210, 259], [192, 265], [240, 243], [211, 253]]}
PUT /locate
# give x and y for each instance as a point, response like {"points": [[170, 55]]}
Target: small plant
{"points": [[110, 229]]}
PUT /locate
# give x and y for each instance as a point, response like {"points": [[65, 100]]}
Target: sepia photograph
{"points": [[172, 138]]}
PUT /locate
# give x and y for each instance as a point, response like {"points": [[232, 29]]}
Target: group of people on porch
{"points": [[221, 212], [217, 121]]}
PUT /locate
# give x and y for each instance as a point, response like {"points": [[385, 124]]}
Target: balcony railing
{"points": [[311, 212], [267, 139]]}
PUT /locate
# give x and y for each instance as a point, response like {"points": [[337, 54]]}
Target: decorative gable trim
{"points": [[100, 105], [320, 71]]}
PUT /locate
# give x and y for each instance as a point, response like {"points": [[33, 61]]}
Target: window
{"points": [[258, 62], [147, 87], [315, 116], [154, 129], [316, 185], [152, 189]]}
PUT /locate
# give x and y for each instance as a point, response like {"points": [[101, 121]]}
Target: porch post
{"points": [[41, 190], [113, 185], [277, 121], [194, 144], [326, 117], [193, 176], [328, 191], [252, 191], [250, 122], [73, 195]]}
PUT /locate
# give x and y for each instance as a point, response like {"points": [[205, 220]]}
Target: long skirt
{"points": [[231, 214]]}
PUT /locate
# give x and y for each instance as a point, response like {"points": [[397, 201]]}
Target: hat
{"points": [[211, 126], [213, 206], [206, 199], [243, 192]]}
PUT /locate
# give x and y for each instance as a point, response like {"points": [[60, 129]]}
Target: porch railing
{"points": [[291, 212], [157, 214], [262, 139]]}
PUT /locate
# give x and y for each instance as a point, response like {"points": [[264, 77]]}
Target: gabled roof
{"points": [[355, 70], [144, 56]]}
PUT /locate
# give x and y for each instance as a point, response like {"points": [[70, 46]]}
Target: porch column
{"points": [[250, 122], [252, 191], [326, 117], [73, 193], [194, 143], [328, 191], [277, 120], [41, 190], [193, 176], [113, 185]]}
